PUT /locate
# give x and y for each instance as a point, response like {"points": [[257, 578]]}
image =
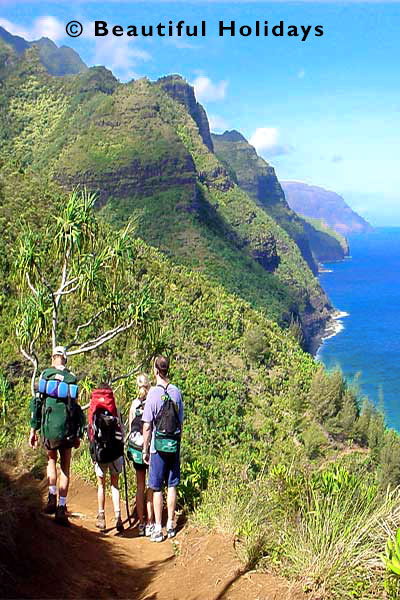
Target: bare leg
{"points": [[115, 494], [65, 461], [52, 467], [140, 485], [171, 503], [158, 506], [101, 494], [150, 511]]}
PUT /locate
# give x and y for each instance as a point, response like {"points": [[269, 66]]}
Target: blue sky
{"points": [[325, 111]]}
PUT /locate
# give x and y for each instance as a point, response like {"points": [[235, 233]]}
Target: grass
{"points": [[325, 530]]}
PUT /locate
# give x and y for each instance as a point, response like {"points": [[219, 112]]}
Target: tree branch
{"points": [[66, 292], [75, 341], [101, 339], [34, 360], [31, 287], [130, 373], [57, 297]]}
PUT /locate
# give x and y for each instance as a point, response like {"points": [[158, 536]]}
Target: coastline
{"points": [[333, 327]]}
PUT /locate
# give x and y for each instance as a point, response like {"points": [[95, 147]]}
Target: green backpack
{"points": [[62, 418], [135, 441]]}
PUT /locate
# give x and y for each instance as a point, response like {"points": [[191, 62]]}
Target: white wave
{"points": [[341, 314]]}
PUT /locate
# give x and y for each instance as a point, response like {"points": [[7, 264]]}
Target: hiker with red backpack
{"points": [[106, 439], [135, 455], [56, 413], [162, 431]]}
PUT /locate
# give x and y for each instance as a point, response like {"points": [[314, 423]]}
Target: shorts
{"points": [[115, 467], [58, 444], [164, 468]]}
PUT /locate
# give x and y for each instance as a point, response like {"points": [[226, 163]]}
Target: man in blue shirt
{"points": [[164, 466]]}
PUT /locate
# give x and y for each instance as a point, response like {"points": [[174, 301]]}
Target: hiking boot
{"points": [[118, 524], [101, 521], [61, 516], [157, 536], [142, 529], [51, 505], [149, 529], [171, 532]]}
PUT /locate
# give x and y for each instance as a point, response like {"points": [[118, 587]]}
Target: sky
{"points": [[325, 111]]}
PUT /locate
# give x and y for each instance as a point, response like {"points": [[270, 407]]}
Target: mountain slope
{"points": [[258, 179], [318, 203], [58, 61], [139, 147]]}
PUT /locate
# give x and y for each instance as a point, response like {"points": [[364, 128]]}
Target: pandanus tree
{"points": [[77, 284]]}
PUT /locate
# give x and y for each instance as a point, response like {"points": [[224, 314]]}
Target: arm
{"points": [[36, 419], [147, 429]]}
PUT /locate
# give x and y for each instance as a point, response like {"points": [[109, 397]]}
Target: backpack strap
{"points": [[162, 387]]}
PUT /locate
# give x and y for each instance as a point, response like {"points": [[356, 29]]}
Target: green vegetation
{"points": [[320, 225], [142, 151], [325, 529], [277, 452], [58, 61], [257, 178]]}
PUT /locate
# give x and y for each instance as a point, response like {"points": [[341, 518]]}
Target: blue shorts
{"points": [[164, 468]]}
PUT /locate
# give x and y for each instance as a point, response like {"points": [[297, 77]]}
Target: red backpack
{"points": [[104, 430], [100, 399]]}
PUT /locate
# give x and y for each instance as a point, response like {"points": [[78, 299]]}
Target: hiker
{"points": [[106, 438], [135, 454], [162, 429], [57, 414]]}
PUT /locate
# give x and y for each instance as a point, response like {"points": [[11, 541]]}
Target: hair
{"points": [[143, 384], [162, 365]]}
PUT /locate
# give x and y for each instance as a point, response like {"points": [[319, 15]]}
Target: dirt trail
{"points": [[80, 562]]}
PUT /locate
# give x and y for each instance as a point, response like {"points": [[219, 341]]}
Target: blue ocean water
{"points": [[367, 286]]}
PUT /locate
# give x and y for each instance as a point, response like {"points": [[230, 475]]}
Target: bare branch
{"points": [[75, 341], [130, 373], [70, 282], [31, 287], [101, 339], [57, 296], [66, 292], [34, 360]]}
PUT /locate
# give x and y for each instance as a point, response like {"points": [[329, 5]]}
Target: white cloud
{"points": [[14, 29], [45, 26], [120, 55], [301, 74], [49, 27], [206, 90], [217, 123], [266, 141]]}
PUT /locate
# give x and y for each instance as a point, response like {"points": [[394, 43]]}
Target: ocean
{"points": [[366, 287]]}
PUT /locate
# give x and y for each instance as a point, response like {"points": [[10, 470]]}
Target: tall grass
{"points": [[325, 530]]}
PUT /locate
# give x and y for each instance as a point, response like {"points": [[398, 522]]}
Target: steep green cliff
{"points": [[140, 148], [258, 179]]}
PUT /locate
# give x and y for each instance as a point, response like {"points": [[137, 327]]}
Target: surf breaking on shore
{"points": [[334, 327]]}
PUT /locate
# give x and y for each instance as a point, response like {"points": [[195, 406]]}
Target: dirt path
{"points": [[80, 562]]}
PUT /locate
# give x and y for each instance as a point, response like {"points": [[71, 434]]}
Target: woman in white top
{"points": [[136, 441]]}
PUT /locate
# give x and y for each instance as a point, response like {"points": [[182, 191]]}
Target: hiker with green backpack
{"points": [[162, 431], [135, 455], [56, 413]]}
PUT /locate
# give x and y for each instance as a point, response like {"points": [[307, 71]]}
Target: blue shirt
{"points": [[154, 403]]}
